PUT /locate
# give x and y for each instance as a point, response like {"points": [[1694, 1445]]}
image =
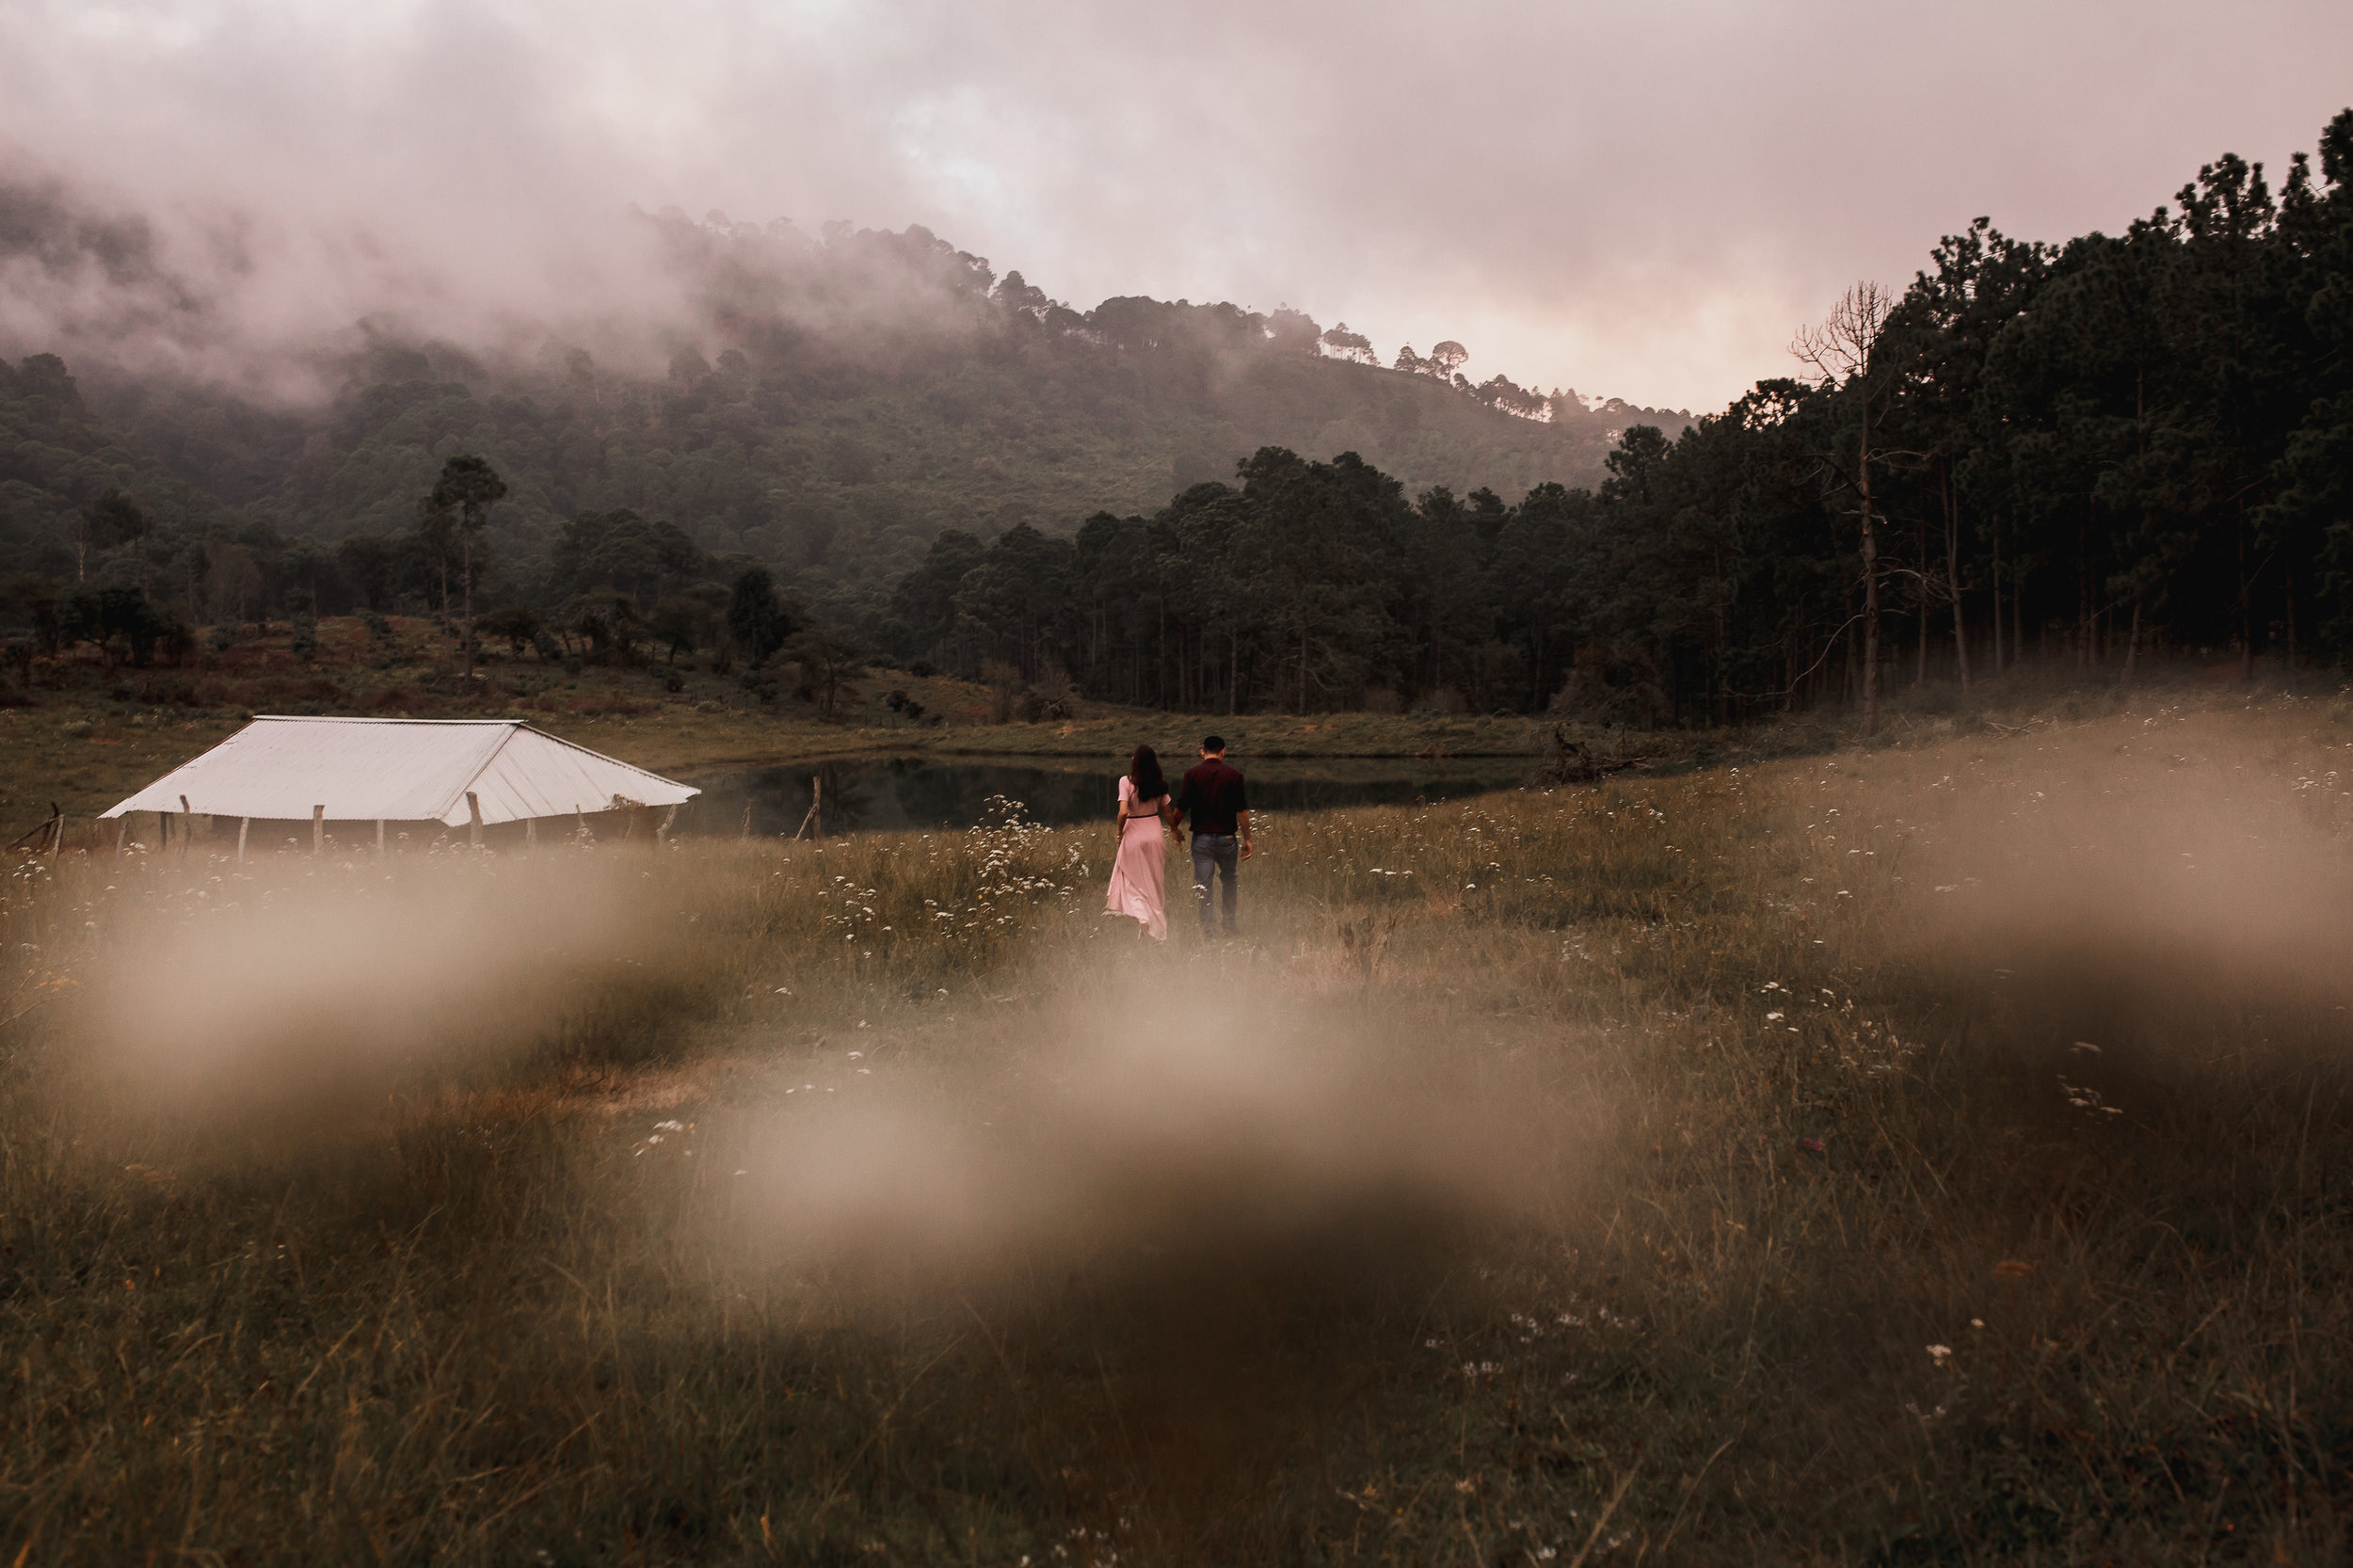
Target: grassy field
{"points": [[82, 736], [1930, 1154]]}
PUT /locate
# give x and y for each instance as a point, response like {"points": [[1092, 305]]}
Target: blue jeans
{"points": [[1214, 854]]}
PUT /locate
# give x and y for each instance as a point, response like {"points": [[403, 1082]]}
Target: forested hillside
{"points": [[830, 406], [2087, 451], [2081, 453]]}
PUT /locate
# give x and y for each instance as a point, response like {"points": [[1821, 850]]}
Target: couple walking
{"points": [[1211, 795]]}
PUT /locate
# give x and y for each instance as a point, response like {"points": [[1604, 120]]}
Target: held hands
{"points": [[1245, 849]]}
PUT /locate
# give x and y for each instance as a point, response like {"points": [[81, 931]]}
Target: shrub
{"points": [[758, 618], [517, 624]]}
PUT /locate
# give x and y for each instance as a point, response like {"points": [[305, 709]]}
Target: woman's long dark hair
{"points": [[1151, 784]]}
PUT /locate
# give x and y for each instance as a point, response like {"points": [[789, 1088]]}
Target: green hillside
{"points": [[829, 408]]}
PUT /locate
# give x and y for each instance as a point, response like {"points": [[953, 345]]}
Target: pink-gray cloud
{"points": [[1640, 201]]}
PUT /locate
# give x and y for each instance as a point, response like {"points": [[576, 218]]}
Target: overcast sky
{"points": [[1637, 200]]}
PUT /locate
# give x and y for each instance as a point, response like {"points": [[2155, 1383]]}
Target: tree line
{"points": [[622, 591], [844, 399], [2088, 452], [2082, 453]]}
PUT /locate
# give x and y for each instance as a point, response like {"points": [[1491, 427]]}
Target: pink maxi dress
{"points": [[1138, 874]]}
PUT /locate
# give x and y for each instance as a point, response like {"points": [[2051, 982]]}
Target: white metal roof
{"points": [[401, 770]]}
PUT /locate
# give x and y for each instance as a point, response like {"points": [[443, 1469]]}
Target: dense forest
{"points": [[830, 405], [2089, 453], [2085, 452]]}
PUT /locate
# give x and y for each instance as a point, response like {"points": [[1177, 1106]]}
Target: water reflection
{"points": [[873, 794]]}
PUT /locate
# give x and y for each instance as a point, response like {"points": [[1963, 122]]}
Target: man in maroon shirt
{"points": [[1212, 796]]}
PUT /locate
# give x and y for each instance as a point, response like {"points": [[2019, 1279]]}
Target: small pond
{"points": [[929, 792]]}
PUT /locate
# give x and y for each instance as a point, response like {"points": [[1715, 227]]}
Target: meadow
{"points": [[80, 734], [1931, 1152]]}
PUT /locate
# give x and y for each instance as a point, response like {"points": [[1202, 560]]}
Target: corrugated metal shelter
{"points": [[401, 770]]}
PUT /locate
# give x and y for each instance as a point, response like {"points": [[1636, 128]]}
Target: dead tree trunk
{"points": [[812, 825], [465, 573], [1920, 665], [1952, 579], [1997, 598], [1870, 592], [2083, 595], [2245, 611]]}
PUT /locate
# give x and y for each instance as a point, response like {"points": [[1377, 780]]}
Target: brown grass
{"points": [[1479, 1205]]}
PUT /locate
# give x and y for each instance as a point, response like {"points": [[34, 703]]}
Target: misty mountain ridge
{"points": [[826, 403]]}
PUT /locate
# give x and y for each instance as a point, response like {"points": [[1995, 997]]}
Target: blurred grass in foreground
{"points": [[1916, 1155]]}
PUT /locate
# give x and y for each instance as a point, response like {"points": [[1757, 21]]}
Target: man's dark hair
{"points": [[1215, 743]]}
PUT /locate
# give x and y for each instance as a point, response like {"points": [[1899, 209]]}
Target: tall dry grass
{"points": [[1934, 1153]]}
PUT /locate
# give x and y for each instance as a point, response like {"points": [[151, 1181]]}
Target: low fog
{"points": [[1630, 203], [2134, 899], [1134, 1123], [2118, 903], [291, 1008], [1149, 1122]]}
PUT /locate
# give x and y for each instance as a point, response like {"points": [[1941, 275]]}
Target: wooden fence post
{"points": [[244, 825], [473, 824], [814, 825], [318, 829], [187, 825], [661, 830]]}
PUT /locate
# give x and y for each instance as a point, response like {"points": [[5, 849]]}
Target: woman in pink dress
{"points": [[1139, 872]]}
